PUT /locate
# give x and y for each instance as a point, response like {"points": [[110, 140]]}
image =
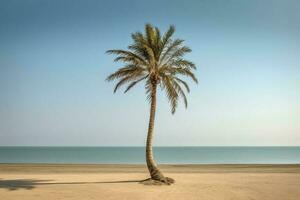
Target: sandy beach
{"points": [[210, 182]]}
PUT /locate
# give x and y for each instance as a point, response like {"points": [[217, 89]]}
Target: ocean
{"points": [[163, 155]]}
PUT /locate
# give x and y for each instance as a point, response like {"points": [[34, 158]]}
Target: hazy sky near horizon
{"points": [[53, 68]]}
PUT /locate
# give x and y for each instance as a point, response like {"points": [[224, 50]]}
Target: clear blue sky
{"points": [[53, 67]]}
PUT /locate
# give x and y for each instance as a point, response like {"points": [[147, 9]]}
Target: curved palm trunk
{"points": [[152, 167]]}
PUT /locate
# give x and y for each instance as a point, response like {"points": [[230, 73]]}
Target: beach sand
{"points": [[208, 182]]}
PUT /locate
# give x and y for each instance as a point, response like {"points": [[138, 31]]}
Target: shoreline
{"points": [[141, 168]]}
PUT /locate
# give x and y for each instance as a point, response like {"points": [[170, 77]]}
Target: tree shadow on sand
{"points": [[29, 184]]}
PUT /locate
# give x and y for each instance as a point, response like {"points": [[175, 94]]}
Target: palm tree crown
{"points": [[158, 60]]}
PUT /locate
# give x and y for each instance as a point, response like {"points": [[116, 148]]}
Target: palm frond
{"points": [[180, 92], [134, 83], [148, 88], [171, 93], [169, 49], [125, 71], [127, 54], [132, 77], [167, 36], [179, 52], [183, 71], [183, 63], [183, 83]]}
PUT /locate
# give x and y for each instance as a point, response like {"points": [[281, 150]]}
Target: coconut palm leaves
{"points": [[157, 60]]}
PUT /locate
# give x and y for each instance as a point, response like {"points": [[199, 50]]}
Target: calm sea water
{"points": [[171, 155]]}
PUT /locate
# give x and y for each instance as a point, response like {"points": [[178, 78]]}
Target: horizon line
{"points": [[153, 146]]}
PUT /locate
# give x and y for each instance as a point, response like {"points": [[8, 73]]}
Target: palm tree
{"points": [[158, 61]]}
